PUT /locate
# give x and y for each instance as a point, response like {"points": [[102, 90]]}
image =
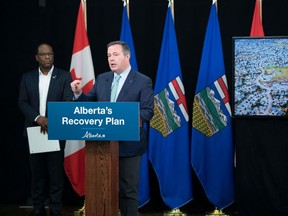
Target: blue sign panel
{"points": [[93, 121]]}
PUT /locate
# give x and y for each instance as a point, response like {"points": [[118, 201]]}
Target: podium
{"points": [[101, 178], [97, 123]]}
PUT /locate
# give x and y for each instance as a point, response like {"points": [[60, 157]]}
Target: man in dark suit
{"points": [[132, 87], [44, 84]]}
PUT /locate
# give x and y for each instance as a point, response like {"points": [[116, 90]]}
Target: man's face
{"points": [[117, 61], [45, 57]]}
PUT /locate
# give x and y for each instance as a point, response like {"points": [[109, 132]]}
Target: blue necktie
{"points": [[114, 88]]}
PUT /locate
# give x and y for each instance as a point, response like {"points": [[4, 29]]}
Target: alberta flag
{"points": [[144, 185], [212, 153], [126, 36], [81, 68], [169, 145]]}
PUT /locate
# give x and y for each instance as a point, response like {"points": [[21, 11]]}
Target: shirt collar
{"points": [[124, 74], [49, 73]]}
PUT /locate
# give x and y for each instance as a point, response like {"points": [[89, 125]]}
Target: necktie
{"points": [[114, 88]]}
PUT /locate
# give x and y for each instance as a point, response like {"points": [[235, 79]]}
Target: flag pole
{"points": [[172, 8], [128, 9], [81, 211], [85, 12], [260, 8]]}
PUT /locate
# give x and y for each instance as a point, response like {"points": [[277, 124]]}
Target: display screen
{"points": [[260, 73]]}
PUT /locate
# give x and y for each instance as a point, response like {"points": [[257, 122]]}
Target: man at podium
{"points": [[124, 84]]}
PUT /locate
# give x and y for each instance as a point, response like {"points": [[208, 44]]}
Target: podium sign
{"points": [[93, 121]]}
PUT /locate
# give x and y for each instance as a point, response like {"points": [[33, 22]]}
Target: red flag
{"points": [[257, 28], [81, 68]]}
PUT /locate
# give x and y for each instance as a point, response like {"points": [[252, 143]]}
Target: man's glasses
{"points": [[46, 54]]}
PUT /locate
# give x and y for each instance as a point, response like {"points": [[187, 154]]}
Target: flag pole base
{"points": [[80, 212], [216, 212], [174, 212]]}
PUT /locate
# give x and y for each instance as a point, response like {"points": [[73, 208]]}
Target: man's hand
{"points": [[76, 87], [43, 122]]}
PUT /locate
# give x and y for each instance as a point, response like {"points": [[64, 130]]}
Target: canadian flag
{"points": [[81, 68], [257, 27]]}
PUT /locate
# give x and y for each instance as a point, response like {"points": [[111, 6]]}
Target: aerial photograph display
{"points": [[260, 76]]}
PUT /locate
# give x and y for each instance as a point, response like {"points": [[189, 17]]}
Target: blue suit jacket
{"points": [[137, 88], [59, 90]]}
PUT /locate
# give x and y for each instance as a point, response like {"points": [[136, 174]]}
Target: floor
{"points": [[21, 210]]}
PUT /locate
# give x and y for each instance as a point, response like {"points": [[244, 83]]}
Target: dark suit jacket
{"points": [[137, 88], [59, 90]]}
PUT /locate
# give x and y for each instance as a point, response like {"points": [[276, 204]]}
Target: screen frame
{"points": [[236, 89]]}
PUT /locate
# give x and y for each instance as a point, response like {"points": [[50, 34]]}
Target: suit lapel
{"points": [[107, 87], [35, 85], [53, 81], [128, 83]]}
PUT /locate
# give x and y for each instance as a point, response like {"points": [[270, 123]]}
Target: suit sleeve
{"points": [[147, 100], [28, 98]]}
